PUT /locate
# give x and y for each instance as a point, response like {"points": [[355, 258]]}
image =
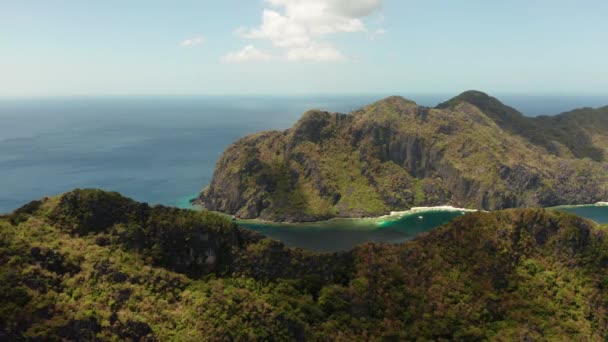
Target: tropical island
{"points": [[138, 203], [471, 151], [96, 265]]}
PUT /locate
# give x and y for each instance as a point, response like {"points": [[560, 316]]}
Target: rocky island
{"points": [[471, 151]]}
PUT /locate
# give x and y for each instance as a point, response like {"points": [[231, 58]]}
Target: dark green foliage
{"points": [[93, 211], [575, 129], [510, 275], [184, 241], [23, 213], [13, 296], [53, 261], [268, 259], [192, 242]]}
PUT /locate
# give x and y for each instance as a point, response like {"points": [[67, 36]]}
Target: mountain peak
{"points": [[391, 104], [474, 97], [502, 114], [474, 93], [396, 101]]}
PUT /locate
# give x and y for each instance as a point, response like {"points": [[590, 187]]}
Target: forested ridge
{"points": [[94, 265]]}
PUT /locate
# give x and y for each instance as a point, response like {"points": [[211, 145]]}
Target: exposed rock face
{"points": [[392, 155]]}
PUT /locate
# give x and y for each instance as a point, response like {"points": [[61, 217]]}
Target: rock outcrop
{"points": [[471, 151]]}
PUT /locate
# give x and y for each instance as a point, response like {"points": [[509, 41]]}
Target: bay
{"points": [[343, 234]]}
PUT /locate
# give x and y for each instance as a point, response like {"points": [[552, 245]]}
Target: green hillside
{"points": [[93, 265], [579, 133]]}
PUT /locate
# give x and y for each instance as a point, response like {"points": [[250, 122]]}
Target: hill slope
{"points": [[579, 133], [91, 265], [391, 155]]}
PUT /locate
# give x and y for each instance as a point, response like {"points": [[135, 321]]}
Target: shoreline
{"points": [[447, 208], [393, 215], [596, 204]]}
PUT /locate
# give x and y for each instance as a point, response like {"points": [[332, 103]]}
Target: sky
{"points": [[285, 47]]}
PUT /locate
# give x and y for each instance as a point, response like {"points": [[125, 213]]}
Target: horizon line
{"points": [[304, 94]]}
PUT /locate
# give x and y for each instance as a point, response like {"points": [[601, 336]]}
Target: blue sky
{"points": [[285, 47]]}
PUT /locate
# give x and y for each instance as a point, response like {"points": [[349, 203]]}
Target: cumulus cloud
{"points": [[192, 42], [247, 54], [314, 52], [298, 27]]}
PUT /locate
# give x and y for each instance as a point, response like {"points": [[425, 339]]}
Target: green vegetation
{"points": [[580, 133], [94, 265], [471, 151]]}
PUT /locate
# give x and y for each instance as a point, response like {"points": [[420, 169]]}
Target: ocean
{"points": [[163, 150]]}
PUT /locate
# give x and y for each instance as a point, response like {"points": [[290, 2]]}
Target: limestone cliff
{"points": [[394, 154]]}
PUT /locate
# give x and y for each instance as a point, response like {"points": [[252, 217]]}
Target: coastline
{"points": [[426, 209], [596, 204], [377, 221]]}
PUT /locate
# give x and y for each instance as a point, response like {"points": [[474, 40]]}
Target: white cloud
{"points": [[376, 34], [314, 52], [297, 27], [193, 42], [247, 54], [314, 9]]}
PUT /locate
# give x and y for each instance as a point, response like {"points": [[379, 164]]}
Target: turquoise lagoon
{"points": [[342, 234]]}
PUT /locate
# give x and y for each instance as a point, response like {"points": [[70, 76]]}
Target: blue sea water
{"points": [[159, 150], [163, 150], [598, 213]]}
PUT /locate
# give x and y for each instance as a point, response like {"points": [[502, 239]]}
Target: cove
{"points": [[596, 212], [342, 234]]}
